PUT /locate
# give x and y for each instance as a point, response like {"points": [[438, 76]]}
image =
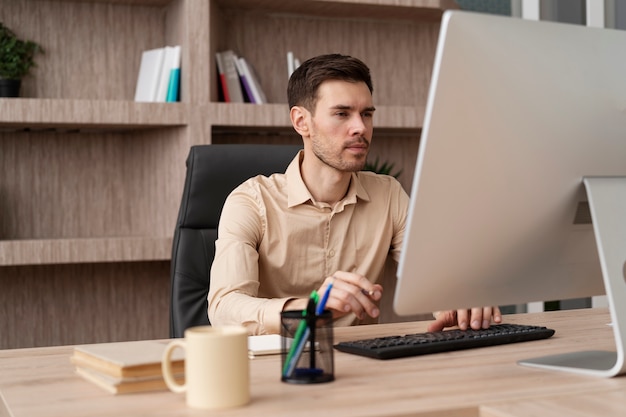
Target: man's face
{"points": [[341, 126]]}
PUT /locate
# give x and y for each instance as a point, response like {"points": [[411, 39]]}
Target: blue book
{"points": [[173, 87], [172, 66]]}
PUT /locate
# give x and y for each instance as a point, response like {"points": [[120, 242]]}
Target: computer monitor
{"points": [[524, 131]]}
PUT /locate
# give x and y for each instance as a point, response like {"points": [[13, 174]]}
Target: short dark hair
{"points": [[306, 79]]}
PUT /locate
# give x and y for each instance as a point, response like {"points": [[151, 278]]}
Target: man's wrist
{"points": [[295, 304]]}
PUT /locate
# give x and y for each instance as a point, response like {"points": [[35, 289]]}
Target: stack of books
{"points": [[159, 75], [126, 367], [238, 81]]}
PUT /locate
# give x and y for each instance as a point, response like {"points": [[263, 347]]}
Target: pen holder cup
{"points": [[307, 347]]}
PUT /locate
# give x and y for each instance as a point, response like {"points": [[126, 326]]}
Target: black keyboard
{"points": [[391, 347]]}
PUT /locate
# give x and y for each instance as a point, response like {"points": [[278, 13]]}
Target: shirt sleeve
{"points": [[234, 282], [400, 217]]}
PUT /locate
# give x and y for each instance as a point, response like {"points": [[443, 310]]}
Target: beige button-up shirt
{"points": [[276, 243]]}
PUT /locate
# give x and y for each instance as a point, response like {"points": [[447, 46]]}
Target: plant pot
{"points": [[10, 88]]}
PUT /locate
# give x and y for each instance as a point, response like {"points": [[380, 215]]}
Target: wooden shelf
{"points": [[70, 251], [422, 10], [115, 116], [29, 113], [130, 2]]}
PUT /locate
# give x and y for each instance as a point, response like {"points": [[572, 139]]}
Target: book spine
{"points": [[244, 80], [149, 75], [232, 77], [222, 76], [164, 76], [259, 95], [172, 91], [174, 78], [290, 64]]}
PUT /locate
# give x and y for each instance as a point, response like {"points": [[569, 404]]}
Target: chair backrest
{"points": [[213, 171]]}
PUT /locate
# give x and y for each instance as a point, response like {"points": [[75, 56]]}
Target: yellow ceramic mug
{"points": [[216, 367]]}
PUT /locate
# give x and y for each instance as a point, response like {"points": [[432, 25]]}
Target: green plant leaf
{"points": [[379, 167], [16, 55]]}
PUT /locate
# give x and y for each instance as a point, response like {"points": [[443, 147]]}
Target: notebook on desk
{"points": [[267, 344]]}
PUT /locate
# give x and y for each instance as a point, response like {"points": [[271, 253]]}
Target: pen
{"points": [[366, 292], [300, 336], [322, 304]]}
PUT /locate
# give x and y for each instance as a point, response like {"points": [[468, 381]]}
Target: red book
{"points": [[222, 76]]}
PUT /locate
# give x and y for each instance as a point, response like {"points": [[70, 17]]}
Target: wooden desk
{"points": [[477, 382]]}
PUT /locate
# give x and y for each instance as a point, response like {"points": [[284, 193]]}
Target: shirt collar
{"points": [[298, 193]]}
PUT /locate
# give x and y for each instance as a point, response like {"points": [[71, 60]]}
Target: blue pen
{"points": [[290, 365], [322, 304]]}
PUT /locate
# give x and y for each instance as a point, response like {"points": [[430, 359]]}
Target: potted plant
{"points": [[16, 60], [381, 168]]}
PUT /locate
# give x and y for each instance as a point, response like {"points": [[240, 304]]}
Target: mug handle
{"points": [[166, 367]]}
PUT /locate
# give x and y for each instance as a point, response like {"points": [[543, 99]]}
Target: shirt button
{"points": [[331, 253]]}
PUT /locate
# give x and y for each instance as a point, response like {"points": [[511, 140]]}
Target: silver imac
{"points": [[519, 192]]}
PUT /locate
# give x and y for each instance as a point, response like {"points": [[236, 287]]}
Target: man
{"points": [[324, 220]]}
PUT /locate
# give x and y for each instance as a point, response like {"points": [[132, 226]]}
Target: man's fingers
{"points": [[475, 318], [353, 295], [497, 315], [442, 319], [359, 282]]}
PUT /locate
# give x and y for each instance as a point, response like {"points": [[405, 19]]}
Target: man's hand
{"points": [[351, 293], [476, 318]]}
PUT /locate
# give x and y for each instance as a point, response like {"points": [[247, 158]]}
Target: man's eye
{"points": [[367, 114]]}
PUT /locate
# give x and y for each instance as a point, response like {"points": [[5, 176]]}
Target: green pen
{"points": [[298, 336]]}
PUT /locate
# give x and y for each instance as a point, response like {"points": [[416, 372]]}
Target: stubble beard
{"points": [[327, 156]]}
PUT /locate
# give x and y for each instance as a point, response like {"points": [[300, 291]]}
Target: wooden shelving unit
{"points": [[88, 115], [90, 181]]}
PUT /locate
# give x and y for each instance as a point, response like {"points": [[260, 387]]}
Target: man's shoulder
{"points": [[260, 183], [381, 188], [373, 179]]}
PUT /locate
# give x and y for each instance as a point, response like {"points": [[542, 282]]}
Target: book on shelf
{"points": [[229, 77], [173, 78], [221, 78], [149, 74], [250, 79], [159, 72], [245, 82], [292, 63]]}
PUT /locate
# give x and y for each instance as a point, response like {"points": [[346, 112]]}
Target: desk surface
{"points": [[483, 382]]}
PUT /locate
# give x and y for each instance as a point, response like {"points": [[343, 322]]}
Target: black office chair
{"points": [[213, 171]]}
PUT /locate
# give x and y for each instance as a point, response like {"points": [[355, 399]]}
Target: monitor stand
{"points": [[607, 202]]}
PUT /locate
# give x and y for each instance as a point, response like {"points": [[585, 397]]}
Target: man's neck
{"points": [[326, 184]]}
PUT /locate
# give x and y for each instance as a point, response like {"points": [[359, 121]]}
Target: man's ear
{"points": [[300, 120]]}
